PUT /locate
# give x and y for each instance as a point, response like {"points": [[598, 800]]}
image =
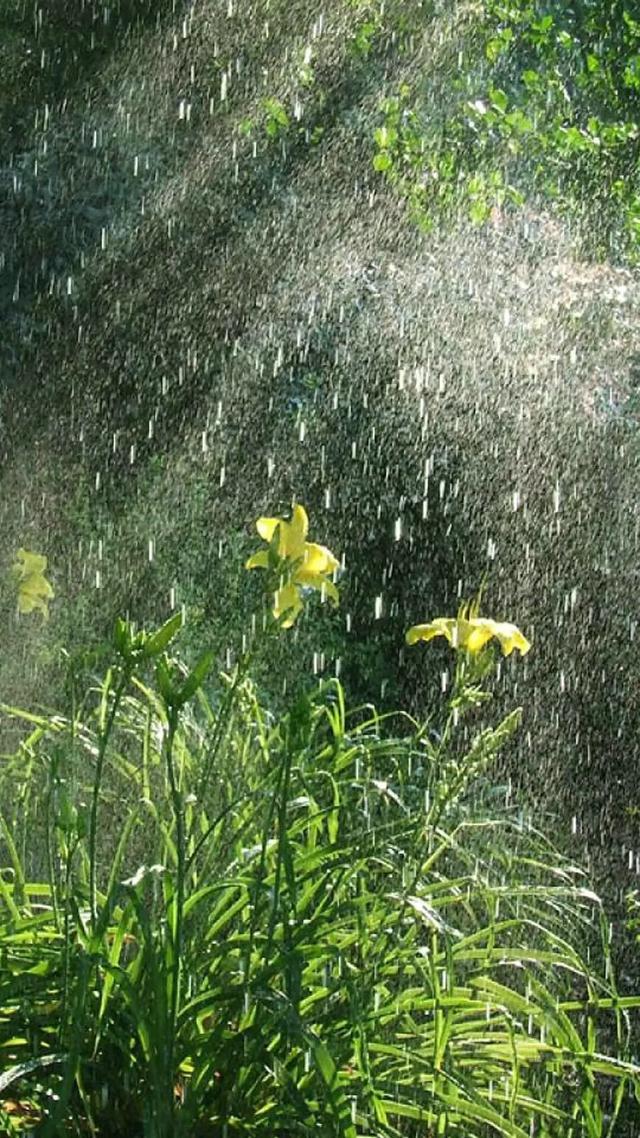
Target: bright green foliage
{"points": [[277, 120], [322, 923], [547, 103]]}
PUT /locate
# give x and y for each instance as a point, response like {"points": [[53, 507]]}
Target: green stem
{"points": [[261, 873], [93, 820], [178, 917], [282, 838], [53, 886], [67, 948], [222, 721]]}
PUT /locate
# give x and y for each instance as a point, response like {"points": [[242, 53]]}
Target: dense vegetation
{"points": [[546, 104], [217, 921]]}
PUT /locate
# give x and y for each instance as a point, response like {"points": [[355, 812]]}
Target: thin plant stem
{"points": [[282, 838], [177, 805], [49, 850], [67, 945], [95, 797], [222, 721], [275, 799]]}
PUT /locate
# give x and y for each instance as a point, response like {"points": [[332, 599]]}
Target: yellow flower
{"points": [[287, 600], [471, 632], [34, 591], [301, 564]]}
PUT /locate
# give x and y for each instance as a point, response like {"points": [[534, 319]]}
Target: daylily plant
{"points": [[470, 632], [296, 563], [34, 591]]}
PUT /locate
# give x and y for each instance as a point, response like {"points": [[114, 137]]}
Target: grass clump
{"points": [[217, 921]]}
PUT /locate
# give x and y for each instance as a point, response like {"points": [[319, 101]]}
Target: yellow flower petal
{"points": [[259, 560], [266, 527], [287, 601], [293, 535], [37, 585], [34, 590], [300, 521], [318, 559], [317, 581], [442, 626], [510, 637], [303, 563], [478, 635], [28, 563], [471, 633], [28, 602], [34, 594], [519, 641]]}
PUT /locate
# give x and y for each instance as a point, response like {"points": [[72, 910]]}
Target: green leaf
{"points": [[632, 72], [498, 99], [519, 121], [493, 49], [159, 640], [164, 682], [543, 25], [196, 677], [121, 636], [385, 137], [382, 162], [22, 1069], [340, 1108]]}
